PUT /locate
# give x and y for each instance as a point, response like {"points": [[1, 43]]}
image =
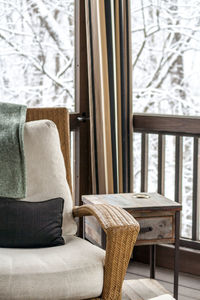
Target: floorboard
{"points": [[189, 285]]}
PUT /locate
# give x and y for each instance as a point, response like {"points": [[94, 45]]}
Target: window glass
{"points": [[166, 56], [37, 52], [165, 64]]}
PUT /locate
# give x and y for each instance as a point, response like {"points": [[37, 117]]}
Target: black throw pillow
{"points": [[26, 224]]}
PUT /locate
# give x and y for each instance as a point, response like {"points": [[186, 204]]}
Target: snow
{"points": [[166, 57], [37, 52]]}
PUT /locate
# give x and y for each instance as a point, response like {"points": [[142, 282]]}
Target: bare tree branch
{"points": [[36, 64], [55, 31]]}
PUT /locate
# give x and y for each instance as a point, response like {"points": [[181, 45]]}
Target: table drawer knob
{"points": [[146, 229], [155, 228]]}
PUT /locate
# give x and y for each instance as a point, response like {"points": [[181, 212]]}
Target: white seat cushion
{"points": [[45, 169], [72, 271]]}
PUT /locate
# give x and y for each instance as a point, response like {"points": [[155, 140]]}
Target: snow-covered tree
{"points": [[37, 52], [166, 56]]}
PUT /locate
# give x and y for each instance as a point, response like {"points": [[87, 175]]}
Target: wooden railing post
{"points": [[161, 164], [178, 168], [144, 163], [195, 235]]}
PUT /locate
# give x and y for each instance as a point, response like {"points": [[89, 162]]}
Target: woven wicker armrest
{"points": [[121, 233]]}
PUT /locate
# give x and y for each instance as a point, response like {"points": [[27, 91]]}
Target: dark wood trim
{"points": [[189, 259], [178, 168], [190, 244], [144, 162], [195, 190], [161, 164], [82, 136], [74, 122], [167, 124]]}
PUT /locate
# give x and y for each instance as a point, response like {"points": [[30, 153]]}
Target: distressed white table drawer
{"points": [[155, 228]]}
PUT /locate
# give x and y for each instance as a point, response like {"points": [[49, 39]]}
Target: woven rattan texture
{"points": [[121, 233]]}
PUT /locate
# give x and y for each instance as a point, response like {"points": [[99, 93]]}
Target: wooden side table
{"points": [[159, 220]]}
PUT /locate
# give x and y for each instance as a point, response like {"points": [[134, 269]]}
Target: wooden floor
{"points": [[189, 285]]}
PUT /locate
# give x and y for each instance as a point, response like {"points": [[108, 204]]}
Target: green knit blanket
{"points": [[12, 160]]}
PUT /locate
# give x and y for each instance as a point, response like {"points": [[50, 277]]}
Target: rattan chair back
{"points": [[60, 116]]}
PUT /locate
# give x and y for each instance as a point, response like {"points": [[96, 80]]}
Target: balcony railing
{"points": [[162, 126], [178, 126]]}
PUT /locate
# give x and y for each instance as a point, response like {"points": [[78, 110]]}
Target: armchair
{"points": [[78, 269]]}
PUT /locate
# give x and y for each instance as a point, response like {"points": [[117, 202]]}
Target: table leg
{"points": [[152, 261], [176, 254]]}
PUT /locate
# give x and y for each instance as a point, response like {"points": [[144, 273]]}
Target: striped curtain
{"points": [[109, 69]]}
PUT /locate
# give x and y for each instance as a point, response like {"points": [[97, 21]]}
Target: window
{"points": [[37, 52], [166, 56]]}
